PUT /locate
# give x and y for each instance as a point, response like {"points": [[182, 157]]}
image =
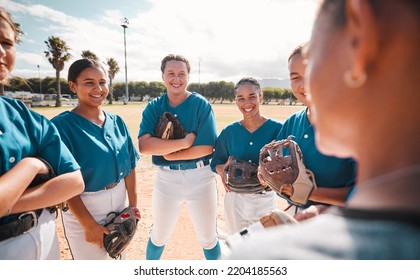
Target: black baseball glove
{"points": [[122, 227]]}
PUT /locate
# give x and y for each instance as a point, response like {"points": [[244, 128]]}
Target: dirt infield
{"points": [[183, 245]]}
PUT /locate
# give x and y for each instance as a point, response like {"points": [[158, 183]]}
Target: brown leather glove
{"points": [[169, 127], [279, 170]]}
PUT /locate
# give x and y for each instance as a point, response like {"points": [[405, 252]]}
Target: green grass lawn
{"points": [[225, 113]]}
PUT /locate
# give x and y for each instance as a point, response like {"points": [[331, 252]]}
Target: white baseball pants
{"points": [[99, 205], [194, 187], [39, 243], [242, 210]]}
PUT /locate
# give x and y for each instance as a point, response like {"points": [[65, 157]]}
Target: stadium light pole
{"points": [[125, 26], [40, 84]]}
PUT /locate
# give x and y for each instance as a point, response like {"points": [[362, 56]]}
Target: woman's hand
{"points": [[310, 212], [189, 139], [221, 170], [95, 234], [260, 178]]}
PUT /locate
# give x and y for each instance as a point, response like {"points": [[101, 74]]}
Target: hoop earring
{"points": [[354, 82]]}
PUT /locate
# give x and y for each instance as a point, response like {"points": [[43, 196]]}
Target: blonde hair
{"points": [[4, 15]]}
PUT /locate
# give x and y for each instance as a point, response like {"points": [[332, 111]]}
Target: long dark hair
{"points": [[79, 65]]}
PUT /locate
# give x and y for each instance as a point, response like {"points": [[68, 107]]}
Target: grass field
{"points": [[225, 113]]}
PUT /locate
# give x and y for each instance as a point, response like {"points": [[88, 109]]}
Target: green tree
{"points": [[49, 83], [119, 90], [155, 89], [18, 84], [196, 87], [268, 95], [57, 54], [220, 90], [142, 88], [89, 54], [113, 69]]}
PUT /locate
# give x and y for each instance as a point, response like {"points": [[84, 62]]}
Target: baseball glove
{"points": [[42, 178], [122, 227], [169, 127], [242, 177], [279, 170]]}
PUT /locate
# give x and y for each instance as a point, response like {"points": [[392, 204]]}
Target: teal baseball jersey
{"points": [[195, 115], [329, 171], [106, 154], [25, 133], [235, 140]]}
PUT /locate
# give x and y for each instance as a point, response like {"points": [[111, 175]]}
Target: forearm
{"points": [[82, 214], [94, 231], [54, 191], [190, 153], [131, 186], [155, 146], [14, 183]]}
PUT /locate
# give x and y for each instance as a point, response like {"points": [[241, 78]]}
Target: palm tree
{"points": [[112, 71], [19, 32], [57, 54], [89, 54]]}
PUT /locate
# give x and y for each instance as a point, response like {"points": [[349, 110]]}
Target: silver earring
{"points": [[354, 82]]}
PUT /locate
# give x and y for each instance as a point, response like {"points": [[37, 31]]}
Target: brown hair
{"points": [[8, 18], [175, 57], [297, 50], [248, 80]]}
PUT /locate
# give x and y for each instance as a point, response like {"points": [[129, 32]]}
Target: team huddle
{"points": [[340, 184]]}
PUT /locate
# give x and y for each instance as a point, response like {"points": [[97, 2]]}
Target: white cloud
{"points": [[234, 38]]}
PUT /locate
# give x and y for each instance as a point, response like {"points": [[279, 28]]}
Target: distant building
{"points": [[49, 96], [24, 96], [30, 99]]}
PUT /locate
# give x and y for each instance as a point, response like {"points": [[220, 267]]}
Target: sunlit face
{"points": [[91, 87], [297, 78], [176, 76], [332, 106], [7, 50], [248, 98]]}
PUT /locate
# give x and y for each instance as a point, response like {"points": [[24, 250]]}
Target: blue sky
{"points": [[233, 38]]}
